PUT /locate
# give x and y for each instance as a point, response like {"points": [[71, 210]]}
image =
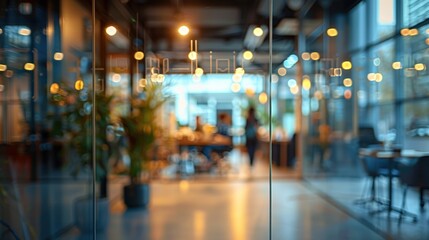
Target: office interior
{"points": [[99, 95]]}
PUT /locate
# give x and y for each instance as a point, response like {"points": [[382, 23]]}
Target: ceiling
{"points": [[222, 28]]}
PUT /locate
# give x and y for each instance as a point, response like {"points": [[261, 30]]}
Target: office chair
{"points": [[373, 167], [413, 173]]}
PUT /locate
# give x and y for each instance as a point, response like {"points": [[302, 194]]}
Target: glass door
{"points": [[113, 112], [47, 162]]}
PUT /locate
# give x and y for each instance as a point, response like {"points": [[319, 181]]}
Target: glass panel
{"points": [[416, 118], [386, 19], [358, 22], [414, 64], [45, 152], [414, 11], [381, 79]]}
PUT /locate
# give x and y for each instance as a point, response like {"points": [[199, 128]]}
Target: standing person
{"points": [[251, 130], [223, 125], [198, 124]]}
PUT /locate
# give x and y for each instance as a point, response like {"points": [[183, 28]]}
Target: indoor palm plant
{"points": [[74, 125], [141, 128]]}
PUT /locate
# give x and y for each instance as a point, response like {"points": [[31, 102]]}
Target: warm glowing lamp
{"points": [[29, 66], [239, 71], [237, 77], [183, 30], [3, 67], [199, 72], [142, 82], [419, 66], [24, 31], [315, 56], [371, 76], [378, 77], [116, 77], [111, 30], [161, 78], [55, 88], [263, 98], [282, 71], [332, 32], [79, 84], [346, 65], [250, 92], [305, 56], [192, 55], [396, 65], [294, 90], [58, 56], [235, 87], [318, 94], [414, 32], [248, 55], [347, 82], [257, 31], [139, 55], [405, 32], [306, 84]]}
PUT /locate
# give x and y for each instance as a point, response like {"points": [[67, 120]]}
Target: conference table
{"points": [[392, 155]]}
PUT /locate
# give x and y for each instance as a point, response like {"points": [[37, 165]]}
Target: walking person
{"points": [[251, 130]]}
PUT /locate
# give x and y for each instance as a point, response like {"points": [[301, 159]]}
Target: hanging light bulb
{"points": [[139, 55], [248, 55], [29, 66], [332, 32], [235, 87], [111, 30], [257, 31], [199, 72], [142, 82], [263, 98], [79, 84], [239, 71], [55, 88], [183, 30], [192, 55]]}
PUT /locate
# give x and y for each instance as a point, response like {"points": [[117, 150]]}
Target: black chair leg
{"points": [[422, 201], [402, 211], [372, 199]]}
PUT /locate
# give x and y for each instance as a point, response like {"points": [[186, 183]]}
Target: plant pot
{"points": [[83, 213], [137, 195]]}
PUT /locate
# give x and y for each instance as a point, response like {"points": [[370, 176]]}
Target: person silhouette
{"points": [[251, 130]]}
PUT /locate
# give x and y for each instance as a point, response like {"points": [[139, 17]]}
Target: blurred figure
{"points": [[251, 129], [223, 125], [198, 124]]}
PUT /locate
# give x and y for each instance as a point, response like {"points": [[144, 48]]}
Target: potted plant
{"points": [[75, 123], [141, 128]]}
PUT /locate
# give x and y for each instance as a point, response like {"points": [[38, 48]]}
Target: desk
{"points": [[206, 144], [215, 140], [391, 156]]}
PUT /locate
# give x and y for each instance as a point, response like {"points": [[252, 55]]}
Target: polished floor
{"points": [[344, 192], [233, 206]]}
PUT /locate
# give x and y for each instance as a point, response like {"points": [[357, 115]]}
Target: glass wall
{"points": [[376, 81], [97, 100], [52, 92]]}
